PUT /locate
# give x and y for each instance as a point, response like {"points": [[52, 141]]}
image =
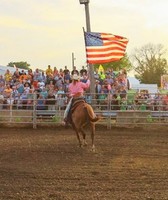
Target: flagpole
{"points": [[91, 67]]}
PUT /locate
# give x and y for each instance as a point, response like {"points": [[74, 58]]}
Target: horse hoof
{"points": [[93, 148], [80, 146], [85, 143]]}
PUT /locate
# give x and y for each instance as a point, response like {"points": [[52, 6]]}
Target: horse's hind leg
{"points": [[84, 137], [92, 135]]}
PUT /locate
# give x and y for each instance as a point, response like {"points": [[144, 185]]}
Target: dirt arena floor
{"points": [[47, 164]]}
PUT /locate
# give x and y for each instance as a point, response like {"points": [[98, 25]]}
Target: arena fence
{"points": [[114, 112]]}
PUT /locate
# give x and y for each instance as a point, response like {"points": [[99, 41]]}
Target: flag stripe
{"points": [[101, 61], [105, 55], [108, 43], [104, 47]]}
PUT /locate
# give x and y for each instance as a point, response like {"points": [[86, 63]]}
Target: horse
{"points": [[82, 114]]}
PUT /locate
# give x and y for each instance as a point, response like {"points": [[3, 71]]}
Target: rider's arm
{"points": [[86, 85]]}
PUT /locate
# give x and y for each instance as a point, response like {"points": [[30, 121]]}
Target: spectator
{"points": [[15, 94], [2, 87], [41, 85], [67, 77], [30, 98], [61, 99], [106, 86], [55, 74], [13, 81], [49, 78], [109, 79], [22, 101], [83, 71], [43, 77], [30, 76], [49, 71], [96, 74], [66, 85], [20, 87], [22, 72], [51, 101], [24, 76], [102, 77], [50, 87], [97, 89], [1, 100], [165, 102], [115, 102], [74, 71], [26, 87], [122, 80], [2, 80], [61, 73], [60, 91], [157, 102], [84, 78], [16, 73], [41, 103], [7, 91], [123, 92], [44, 93], [66, 71], [37, 75], [110, 72], [102, 99], [7, 76], [59, 83]]}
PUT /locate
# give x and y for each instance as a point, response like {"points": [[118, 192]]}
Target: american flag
{"points": [[104, 47]]}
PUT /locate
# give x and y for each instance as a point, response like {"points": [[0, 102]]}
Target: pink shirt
{"points": [[79, 87]]}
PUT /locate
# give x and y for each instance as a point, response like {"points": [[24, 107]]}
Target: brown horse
{"points": [[82, 114]]}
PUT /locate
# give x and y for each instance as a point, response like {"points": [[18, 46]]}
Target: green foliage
{"points": [[124, 63], [149, 119], [18, 119], [150, 64], [56, 119], [21, 65]]}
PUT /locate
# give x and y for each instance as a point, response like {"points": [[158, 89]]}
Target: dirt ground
{"points": [[47, 164]]}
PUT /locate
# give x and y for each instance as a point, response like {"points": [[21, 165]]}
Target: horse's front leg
{"points": [[77, 134]]}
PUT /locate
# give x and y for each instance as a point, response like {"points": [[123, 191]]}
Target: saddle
{"points": [[75, 103]]}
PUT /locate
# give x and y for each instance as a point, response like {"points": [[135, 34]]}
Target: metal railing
{"points": [[114, 112]]}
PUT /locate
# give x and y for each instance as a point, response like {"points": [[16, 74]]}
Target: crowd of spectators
{"points": [[51, 88], [156, 102]]}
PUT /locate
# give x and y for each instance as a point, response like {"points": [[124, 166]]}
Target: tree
{"points": [[21, 65], [150, 64], [118, 65]]}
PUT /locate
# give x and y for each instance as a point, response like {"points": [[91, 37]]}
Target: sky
{"points": [[47, 32]]}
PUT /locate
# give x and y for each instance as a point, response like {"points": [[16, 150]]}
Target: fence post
{"points": [[109, 110], [10, 108], [34, 111]]}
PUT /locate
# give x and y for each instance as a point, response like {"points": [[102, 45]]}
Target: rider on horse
{"points": [[76, 90]]}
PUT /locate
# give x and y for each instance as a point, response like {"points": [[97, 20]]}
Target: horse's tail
{"points": [[91, 114]]}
